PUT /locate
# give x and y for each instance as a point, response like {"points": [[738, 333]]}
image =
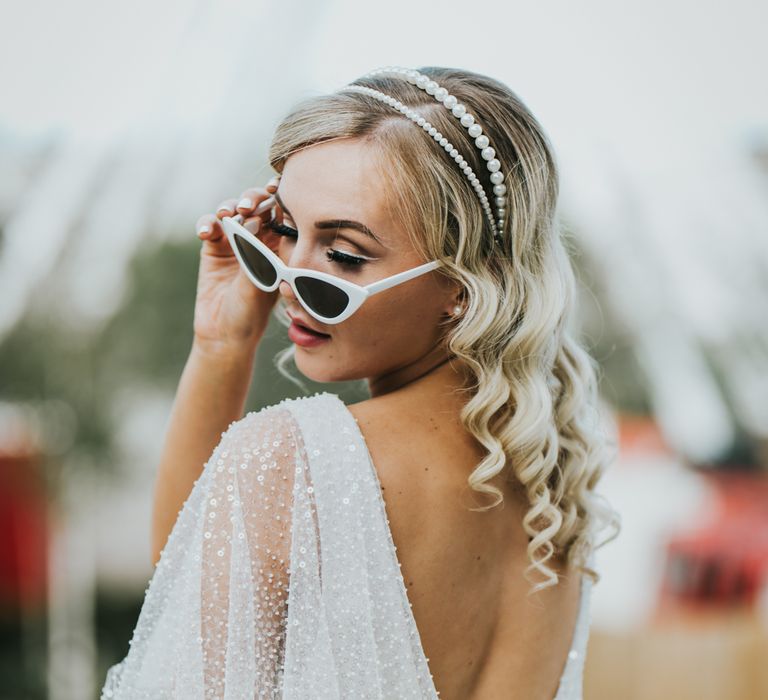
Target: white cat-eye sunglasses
{"points": [[327, 298]]}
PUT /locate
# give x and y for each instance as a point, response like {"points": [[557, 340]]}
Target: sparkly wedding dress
{"points": [[280, 578]]}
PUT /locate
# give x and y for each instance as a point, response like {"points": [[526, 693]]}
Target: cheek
{"points": [[410, 313]]}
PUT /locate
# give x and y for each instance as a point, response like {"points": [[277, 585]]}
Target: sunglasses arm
{"points": [[401, 277]]}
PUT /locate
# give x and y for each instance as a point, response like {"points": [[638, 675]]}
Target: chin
{"points": [[322, 369]]}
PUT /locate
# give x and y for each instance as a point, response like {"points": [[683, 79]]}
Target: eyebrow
{"points": [[335, 223]]}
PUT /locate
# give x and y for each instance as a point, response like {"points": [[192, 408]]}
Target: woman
{"points": [[409, 239]]}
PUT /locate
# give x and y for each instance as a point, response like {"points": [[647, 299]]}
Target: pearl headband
{"points": [[467, 120]]}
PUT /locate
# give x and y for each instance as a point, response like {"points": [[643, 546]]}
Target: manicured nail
{"points": [[245, 203], [205, 228]]}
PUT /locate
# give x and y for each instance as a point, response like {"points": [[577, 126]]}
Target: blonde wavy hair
{"points": [[533, 401]]}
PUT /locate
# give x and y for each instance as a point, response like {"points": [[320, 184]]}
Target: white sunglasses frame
{"points": [[355, 293]]}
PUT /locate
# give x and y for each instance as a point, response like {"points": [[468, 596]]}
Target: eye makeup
{"points": [[337, 256]]}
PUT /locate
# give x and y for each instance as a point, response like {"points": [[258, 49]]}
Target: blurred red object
{"points": [[722, 559], [641, 435], [23, 533]]}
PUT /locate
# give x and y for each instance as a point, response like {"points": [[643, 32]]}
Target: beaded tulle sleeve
{"points": [[280, 577]]}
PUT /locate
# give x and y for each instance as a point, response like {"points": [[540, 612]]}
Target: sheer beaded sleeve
{"points": [[214, 617], [280, 578]]}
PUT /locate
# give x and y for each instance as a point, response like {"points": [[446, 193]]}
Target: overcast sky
{"points": [[686, 69]]}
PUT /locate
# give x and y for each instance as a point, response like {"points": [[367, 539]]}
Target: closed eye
{"points": [[336, 256], [283, 230]]}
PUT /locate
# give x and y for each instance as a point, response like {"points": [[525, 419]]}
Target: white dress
{"points": [[280, 578]]}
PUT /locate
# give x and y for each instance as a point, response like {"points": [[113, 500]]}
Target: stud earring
{"points": [[457, 310]]}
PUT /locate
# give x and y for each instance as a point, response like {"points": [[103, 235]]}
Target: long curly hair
{"points": [[532, 401]]}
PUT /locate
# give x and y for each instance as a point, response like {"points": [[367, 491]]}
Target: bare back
{"points": [[463, 570]]}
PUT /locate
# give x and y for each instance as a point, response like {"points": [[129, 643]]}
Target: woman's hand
{"points": [[230, 311]]}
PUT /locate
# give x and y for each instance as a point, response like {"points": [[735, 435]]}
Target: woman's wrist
{"points": [[225, 351]]}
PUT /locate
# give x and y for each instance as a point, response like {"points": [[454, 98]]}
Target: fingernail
{"points": [[245, 203], [203, 229], [223, 207]]}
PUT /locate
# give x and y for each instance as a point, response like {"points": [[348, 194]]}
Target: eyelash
{"points": [[333, 255]]}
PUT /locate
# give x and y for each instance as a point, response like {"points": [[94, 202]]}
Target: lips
{"points": [[301, 322]]}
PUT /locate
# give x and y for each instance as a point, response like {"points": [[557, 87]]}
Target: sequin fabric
{"points": [[280, 578]]}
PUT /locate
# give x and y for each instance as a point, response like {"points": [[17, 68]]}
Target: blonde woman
{"points": [[438, 537]]}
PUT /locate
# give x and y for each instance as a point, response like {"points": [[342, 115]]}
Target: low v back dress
{"points": [[280, 578]]}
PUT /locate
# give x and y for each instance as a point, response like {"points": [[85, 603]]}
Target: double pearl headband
{"points": [[467, 120]]}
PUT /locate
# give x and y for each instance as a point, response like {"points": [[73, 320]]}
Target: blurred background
{"points": [[120, 124]]}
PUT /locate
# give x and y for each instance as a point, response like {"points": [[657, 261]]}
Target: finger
{"points": [[250, 199], [227, 208], [204, 225], [253, 225], [209, 228], [264, 212]]}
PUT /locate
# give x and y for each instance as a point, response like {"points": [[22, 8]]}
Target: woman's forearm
{"points": [[211, 395]]}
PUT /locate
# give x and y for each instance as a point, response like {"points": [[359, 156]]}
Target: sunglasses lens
{"points": [[323, 298], [257, 263]]}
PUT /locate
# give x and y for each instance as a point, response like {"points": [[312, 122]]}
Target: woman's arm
{"points": [[231, 315], [211, 395]]}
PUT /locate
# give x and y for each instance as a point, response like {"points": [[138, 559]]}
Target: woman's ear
{"points": [[456, 302]]}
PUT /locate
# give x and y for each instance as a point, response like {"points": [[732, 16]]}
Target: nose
{"points": [[286, 291]]}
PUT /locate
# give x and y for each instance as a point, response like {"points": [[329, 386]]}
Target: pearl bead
{"points": [[467, 121], [482, 141]]}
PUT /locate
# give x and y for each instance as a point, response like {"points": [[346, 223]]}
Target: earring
{"points": [[457, 309]]}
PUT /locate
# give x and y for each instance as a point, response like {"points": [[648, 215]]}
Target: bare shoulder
{"points": [[463, 568], [419, 457], [449, 554], [423, 457]]}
